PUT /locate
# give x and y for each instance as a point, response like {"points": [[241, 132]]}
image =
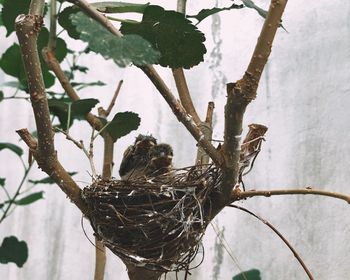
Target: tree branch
{"points": [[54, 65], [27, 29], [241, 93], [184, 94], [238, 195], [181, 114], [105, 113]]}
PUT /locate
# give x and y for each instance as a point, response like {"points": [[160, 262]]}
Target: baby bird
{"points": [[161, 157], [137, 157]]}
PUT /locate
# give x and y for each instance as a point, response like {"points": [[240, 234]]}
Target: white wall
{"points": [[303, 98]]}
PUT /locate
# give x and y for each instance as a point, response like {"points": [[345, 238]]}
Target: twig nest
{"points": [[156, 223]]}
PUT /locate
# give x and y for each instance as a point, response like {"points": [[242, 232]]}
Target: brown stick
{"points": [[184, 94], [54, 65], [237, 195], [207, 129], [105, 113], [27, 29]]}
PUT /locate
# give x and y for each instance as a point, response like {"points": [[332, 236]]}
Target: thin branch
{"points": [[210, 113], [181, 114], [296, 255], [180, 79], [53, 26], [241, 93], [181, 6], [100, 251], [237, 195], [92, 12], [105, 113], [207, 129], [54, 65], [184, 94], [80, 145]]}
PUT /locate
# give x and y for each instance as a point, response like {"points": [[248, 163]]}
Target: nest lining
{"points": [[154, 222]]}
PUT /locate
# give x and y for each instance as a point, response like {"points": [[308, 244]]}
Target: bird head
{"points": [[143, 143], [161, 155]]}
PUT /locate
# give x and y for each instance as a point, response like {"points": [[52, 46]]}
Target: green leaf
{"points": [[31, 198], [122, 124], [208, 12], [2, 181], [13, 250], [14, 148], [1, 95], [48, 180], [11, 9], [124, 50], [79, 109], [119, 7], [252, 274], [83, 106], [175, 37], [11, 63], [65, 21]]}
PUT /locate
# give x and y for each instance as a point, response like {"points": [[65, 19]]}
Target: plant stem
{"points": [[12, 200]]}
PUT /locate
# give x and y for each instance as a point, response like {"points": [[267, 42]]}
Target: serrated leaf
{"points": [[13, 250], [208, 12], [79, 109], [252, 274], [119, 7], [48, 180], [122, 124], [65, 21], [175, 37], [11, 9], [83, 106], [29, 199], [125, 50], [2, 181], [12, 147], [1, 95]]}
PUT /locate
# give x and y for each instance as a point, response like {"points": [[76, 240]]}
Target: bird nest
{"points": [[156, 223]]}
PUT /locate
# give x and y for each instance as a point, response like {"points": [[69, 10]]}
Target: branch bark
{"points": [[27, 29], [241, 93], [238, 195]]}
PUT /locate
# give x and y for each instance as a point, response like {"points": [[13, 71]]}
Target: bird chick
{"points": [[137, 157], [161, 157]]}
